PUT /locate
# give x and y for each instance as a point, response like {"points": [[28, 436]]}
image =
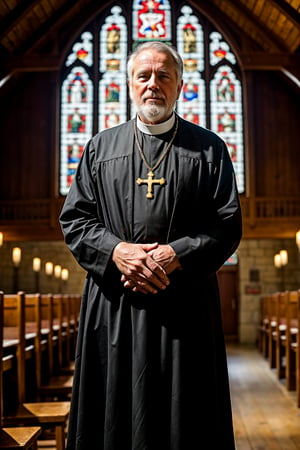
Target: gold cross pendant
{"points": [[150, 181]]}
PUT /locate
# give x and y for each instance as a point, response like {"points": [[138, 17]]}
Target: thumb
{"points": [[148, 247]]}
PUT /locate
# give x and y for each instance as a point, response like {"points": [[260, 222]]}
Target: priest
{"points": [[152, 214]]}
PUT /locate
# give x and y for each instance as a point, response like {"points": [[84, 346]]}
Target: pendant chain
{"points": [[162, 156]]}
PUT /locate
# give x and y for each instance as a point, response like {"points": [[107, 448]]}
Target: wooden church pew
{"points": [[75, 300], [44, 414], [13, 437], [291, 339], [71, 312], [281, 326], [51, 384], [272, 338], [263, 329]]}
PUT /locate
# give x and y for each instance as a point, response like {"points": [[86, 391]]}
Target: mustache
{"points": [[153, 96]]}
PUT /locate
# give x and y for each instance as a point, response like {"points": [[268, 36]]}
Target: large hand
{"points": [[139, 270], [166, 257]]}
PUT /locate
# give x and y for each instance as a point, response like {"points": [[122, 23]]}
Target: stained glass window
{"points": [[151, 20], [226, 115], [76, 122], [113, 56], [190, 45], [94, 92]]}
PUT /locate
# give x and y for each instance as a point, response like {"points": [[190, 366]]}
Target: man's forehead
{"points": [[152, 57]]}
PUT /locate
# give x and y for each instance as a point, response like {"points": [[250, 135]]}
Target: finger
{"points": [[140, 286], [144, 287], [141, 290], [158, 273], [149, 247], [147, 278]]}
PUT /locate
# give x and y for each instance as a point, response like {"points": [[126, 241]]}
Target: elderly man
{"points": [[152, 213]]}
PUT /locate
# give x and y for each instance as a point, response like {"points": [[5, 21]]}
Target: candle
{"points": [[36, 264], [57, 271], [16, 256], [49, 268], [283, 257], [64, 274], [1, 239]]}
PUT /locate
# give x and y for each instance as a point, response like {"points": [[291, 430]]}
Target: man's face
{"points": [[154, 86]]}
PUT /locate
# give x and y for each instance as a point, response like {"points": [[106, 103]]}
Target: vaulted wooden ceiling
{"points": [[34, 33]]}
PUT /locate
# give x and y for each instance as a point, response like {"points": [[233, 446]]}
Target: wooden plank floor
{"points": [[264, 412]]}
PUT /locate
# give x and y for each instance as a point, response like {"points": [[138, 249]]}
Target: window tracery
{"points": [[94, 86]]}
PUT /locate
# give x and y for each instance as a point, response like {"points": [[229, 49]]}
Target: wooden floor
{"points": [[264, 413]]}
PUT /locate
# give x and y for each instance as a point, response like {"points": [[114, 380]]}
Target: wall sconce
{"points": [[280, 261], [57, 274], [49, 268], [36, 264], [16, 259], [298, 239], [283, 257], [65, 274], [16, 256], [277, 261], [57, 271]]}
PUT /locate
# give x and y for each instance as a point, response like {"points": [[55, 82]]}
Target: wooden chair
{"points": [[13, 437], [45, 414]]}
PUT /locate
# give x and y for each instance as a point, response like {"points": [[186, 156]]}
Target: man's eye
{"points": [[165, 76]]}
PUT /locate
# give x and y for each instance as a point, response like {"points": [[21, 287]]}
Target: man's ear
{"points": [[129, 88], [179, 89]]}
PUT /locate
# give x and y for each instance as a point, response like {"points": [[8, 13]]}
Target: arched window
{"points": [[94, 84]]}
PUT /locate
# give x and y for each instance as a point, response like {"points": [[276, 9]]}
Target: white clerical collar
{"points": [[158, 128]]}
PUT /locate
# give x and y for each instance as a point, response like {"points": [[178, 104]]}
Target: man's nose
{"points": [[153, 82]]}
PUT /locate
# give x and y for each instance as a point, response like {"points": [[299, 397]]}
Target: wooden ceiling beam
{"points": [[31, 63], [212, 10], [267, 34], [57, 23], [288, 11], [249, 61], [47, 28], [269, 61], [16, 15], [288, 64]]}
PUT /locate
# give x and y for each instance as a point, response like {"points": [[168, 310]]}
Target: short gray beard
{"points": [[151, 112]]}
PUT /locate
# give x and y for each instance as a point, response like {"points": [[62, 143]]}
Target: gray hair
{"points": [[160, 47]]}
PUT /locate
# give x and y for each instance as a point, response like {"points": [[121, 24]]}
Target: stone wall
{"points": [[257, 256], [54, 251]]}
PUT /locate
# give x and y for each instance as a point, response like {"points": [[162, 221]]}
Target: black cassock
{"points": [[151, 370]]}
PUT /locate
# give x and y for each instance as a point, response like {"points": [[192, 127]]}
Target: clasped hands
{"points": [[145, 267]]}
